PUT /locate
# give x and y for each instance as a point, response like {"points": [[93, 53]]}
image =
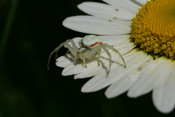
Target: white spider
{"points": [[90, 46]]}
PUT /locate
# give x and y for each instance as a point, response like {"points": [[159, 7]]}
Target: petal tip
{"points": [[83, 90], [75, 77], [108, 95], [65, 73]]}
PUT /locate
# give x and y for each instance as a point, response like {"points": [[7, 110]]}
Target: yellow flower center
{"points": [[153, 28]]}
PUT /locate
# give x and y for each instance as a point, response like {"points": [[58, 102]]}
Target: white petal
{"points": [[131, 4], [126, 5], [111, 40], [100, 81], [104, 11], [87, 73], [164, 95], [92, 25], [122, 85], [119, 42], [142, 2], [128, 23], [72, 69], [151, 76], [63, 61], [79, 68], [115, 39]]}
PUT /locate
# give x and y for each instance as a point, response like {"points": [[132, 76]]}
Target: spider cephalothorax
{"points": [[90, 46]]}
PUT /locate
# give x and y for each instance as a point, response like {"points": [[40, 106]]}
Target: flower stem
{"points": [[7, 27]]}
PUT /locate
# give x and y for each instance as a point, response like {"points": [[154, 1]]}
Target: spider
{"points": [[90, 46]]}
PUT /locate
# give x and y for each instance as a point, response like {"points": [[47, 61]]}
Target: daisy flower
{"points": [[144, 33]]}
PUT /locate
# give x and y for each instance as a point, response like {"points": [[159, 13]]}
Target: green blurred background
{"points": [[29, 31]]}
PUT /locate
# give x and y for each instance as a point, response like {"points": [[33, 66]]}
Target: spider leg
{"points": [[79, 43], [56, 55], [58, 48], [72, 51], [74, 47], [112, 48], [55, 50], [107, 52], [98, 58], [65, 54], [84, 62], [94, 51]]}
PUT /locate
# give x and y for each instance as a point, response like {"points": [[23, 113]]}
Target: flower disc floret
{"points": [[153, 28]]}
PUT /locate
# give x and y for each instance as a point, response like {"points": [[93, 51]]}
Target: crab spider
{"points": [[90, 46]]}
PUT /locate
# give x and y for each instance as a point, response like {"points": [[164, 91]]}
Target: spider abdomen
{"points": [[91, 41]]}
